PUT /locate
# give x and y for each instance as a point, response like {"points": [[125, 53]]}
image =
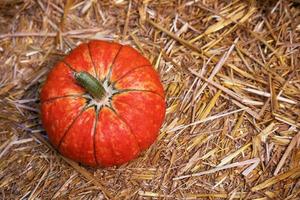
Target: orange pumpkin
{"points": [[102, 104]]}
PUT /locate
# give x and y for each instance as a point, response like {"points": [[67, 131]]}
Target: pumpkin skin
{"points": [[116, 129]]}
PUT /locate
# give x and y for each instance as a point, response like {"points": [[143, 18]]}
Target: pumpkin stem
{"points": [[90, 83]]}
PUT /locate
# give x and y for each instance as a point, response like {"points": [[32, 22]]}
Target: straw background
{"points": [[231, 73]]}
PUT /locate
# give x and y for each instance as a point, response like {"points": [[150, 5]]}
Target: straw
{"points": [[230, 71]]}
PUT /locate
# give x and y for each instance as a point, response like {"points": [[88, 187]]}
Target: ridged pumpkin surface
{"points": [[126, 121]]}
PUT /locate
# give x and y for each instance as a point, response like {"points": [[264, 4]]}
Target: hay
{"points": [[232, 80]]}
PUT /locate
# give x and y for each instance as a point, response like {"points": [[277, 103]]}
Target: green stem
{"points": [[90, 83]]}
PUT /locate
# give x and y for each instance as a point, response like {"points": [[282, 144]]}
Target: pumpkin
{"points": [[103, 104]]}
